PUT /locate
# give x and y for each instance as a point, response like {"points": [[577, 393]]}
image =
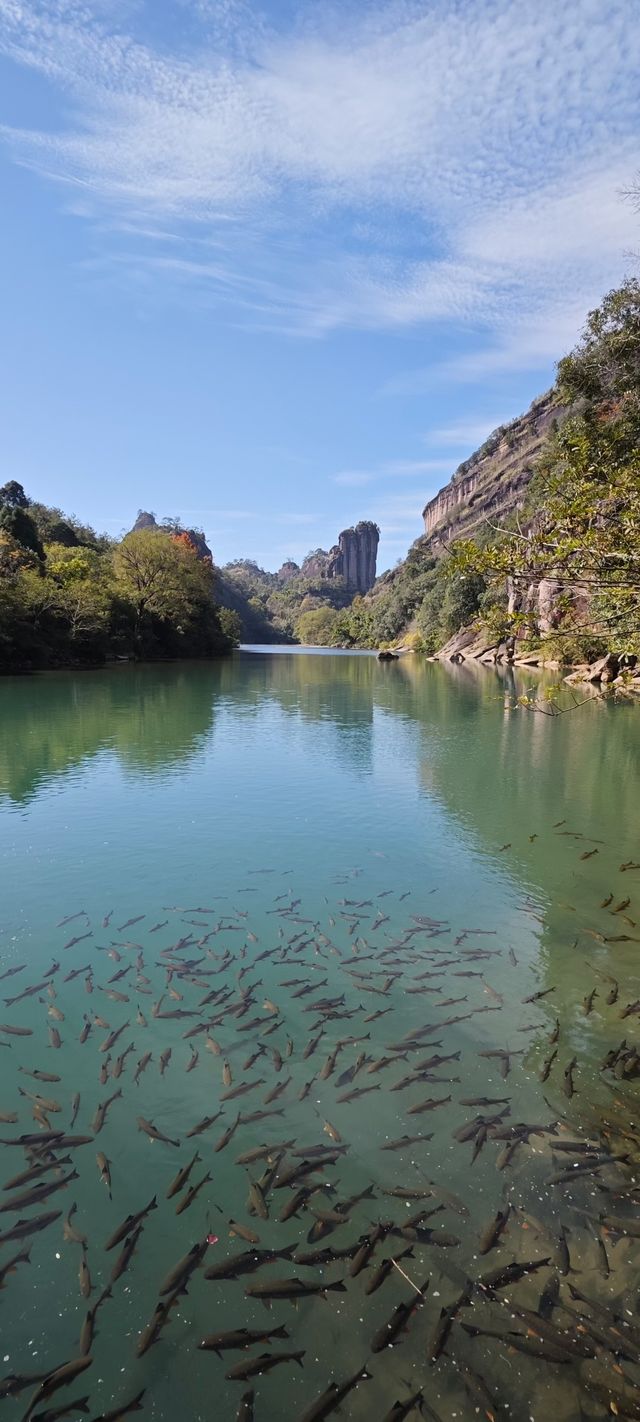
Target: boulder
{"points": [[604, 670]]}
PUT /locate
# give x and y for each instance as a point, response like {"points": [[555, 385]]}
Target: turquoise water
{"points": [[372, 831]]}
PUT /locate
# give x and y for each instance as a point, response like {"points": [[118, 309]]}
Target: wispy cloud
{"points": [[391, 469], [371, 168]]}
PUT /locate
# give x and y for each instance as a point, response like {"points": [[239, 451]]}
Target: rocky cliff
{"points": [[355, 557], [147, 520], [493, 482]]}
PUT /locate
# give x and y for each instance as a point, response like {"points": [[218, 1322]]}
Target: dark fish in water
{"points": [[244, 1232], [75, 1107], [568, 1085], [202, 1125], [414, 1403], [60, 1377], [551, 1353], [385, 1270], [16, 1031], [130, 1224], [364, 1253], [84, 1276], [333, 1396], [37, 1193], [111, 1040], [587, 1002], [400, 1317], [493, 1231], [404, 1141], [247, 1262], [430, 1104], [263, 1364], [245, 1410], [41, 1075], [68, 1409], [506, 1274], [23, 1228], [547, 1064], [101, 1113], [241, 1338], [141, 1067], [180, 1180], [153, 1132], [104, 1166], [126, 1254], [291, 1289], [182, 1271], [88, 1329], [24, 1257], [70, 1232], [446, 1321], [549, 1297], [227, 1135], [115, 1414], [191, 1194], [26, 992]]}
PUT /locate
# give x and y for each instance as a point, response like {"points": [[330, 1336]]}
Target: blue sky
{"points": [[277, 269]]}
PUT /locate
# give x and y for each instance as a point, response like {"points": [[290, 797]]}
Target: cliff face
{"points": [[196, 537], [352, 558], [493, 482], [356, 556]]}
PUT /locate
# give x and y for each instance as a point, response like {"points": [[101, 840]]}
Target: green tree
{"points": [[582, 523], [231, 624], [316, 628]]}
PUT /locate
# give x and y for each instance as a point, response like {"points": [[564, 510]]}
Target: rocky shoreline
{"points": [[620, 673]]}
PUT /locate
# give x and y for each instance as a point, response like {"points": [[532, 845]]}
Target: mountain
{"points": [[493, 482]]}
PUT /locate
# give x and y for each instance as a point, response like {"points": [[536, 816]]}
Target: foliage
{"points": [[231, 625], [316, 627], [582, 523], [77, 598]]}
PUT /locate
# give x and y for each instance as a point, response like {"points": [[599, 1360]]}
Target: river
{"points": [[398, 861]]}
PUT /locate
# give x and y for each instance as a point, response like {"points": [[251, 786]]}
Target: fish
{"points": [[23, 1228], [430, 1104], [292, 1289], [191, 1194], [142, 1065], [23, 1257], [396, 1324], [88, 1329], [60, 1377], [69, 1230], [240, 1338], [153, 1133], [130, 1223], [202, 1125], [37, 1193], [182, 1271], [115, 1414], [492, 1232], [104, 1166], [263, 1364], [247, 1262], [568, 1085], [333, 1396], [101, 1112], [126, 1253], [84, 1276], [180, 1180], [404, 1141]]}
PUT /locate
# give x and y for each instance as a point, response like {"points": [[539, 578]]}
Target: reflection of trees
{"points": [[149, 716]]}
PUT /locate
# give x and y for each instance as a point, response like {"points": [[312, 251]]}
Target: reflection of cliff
{"points": [[148, 716]]}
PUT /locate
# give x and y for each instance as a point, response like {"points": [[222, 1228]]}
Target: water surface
{"points": [[400, 840]]}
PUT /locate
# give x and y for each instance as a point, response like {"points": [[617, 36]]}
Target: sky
{"points": [[274, 269]]}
